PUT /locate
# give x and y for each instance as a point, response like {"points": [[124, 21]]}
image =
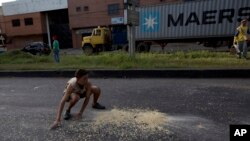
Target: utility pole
{"points": [[1, 39], [131, 19], [48, 30]]}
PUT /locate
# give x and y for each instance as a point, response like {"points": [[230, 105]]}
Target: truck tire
{"points": [[88, 50], [142, 47]]}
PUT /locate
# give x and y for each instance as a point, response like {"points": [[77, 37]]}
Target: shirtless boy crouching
{"points": [[77, 87]]}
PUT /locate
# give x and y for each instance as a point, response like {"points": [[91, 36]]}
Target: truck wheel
{"points": [[108, 47], [142, 47], [88, 50]]}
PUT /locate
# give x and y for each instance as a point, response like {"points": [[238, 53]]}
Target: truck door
{"points": [[96, 37]]}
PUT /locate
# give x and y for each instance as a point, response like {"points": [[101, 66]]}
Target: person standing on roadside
{"points": [[240, 38], [56, 49]]}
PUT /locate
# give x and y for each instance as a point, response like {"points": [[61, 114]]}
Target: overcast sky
{"points": [[2, 1]]}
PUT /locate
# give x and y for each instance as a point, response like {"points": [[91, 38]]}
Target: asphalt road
{"points": [[137, 109]]}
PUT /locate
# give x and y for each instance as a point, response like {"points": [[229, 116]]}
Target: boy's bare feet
{"points": [[55, 125]]}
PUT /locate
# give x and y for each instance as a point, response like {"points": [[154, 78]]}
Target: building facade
{"points": [[30, 21], [88, 14], [2, 25], [24, 28], [38, 20]]}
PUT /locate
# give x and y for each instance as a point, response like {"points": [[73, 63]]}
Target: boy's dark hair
{"points": [[54, 37], [244, 20], [80, 72]]}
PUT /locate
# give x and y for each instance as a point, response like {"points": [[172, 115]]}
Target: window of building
{"points": [[28, 21], [86, 8], [78, 9], [113, 9], [16, 22]]}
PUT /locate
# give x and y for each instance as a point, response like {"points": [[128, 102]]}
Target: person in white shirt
{"points": [[78, 87]]}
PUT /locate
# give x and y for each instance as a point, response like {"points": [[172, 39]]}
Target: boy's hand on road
{"points": [[55, 125]]}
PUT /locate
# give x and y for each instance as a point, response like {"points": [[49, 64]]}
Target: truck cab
{"points": [[100, 40]]}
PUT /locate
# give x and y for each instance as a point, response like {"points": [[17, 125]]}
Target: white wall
{"points": [[31, 6]]}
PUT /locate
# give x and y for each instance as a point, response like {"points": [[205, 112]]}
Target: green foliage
{"points": [[17, 60], [19, 57]]}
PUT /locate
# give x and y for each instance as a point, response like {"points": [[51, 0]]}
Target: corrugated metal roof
{"points": [[32, 6]]}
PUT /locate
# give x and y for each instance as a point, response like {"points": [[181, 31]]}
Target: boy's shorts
{"points": [[83, 95]]}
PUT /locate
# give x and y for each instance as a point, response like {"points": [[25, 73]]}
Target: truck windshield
{"points": [[97, 32]]}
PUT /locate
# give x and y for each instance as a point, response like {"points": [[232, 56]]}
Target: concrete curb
{"points": [[170, 73]]}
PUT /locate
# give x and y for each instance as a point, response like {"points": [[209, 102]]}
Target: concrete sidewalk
{"points": [[169, 73]]}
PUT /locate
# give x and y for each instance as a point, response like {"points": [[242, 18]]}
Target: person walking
{"points": [[56, 49], [240, 39]]}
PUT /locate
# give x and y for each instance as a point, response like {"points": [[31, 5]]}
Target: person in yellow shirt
{"points": [[236, 46], [240, 39]]}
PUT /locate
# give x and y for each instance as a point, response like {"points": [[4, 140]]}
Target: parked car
{"points": [[39, 48]]}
